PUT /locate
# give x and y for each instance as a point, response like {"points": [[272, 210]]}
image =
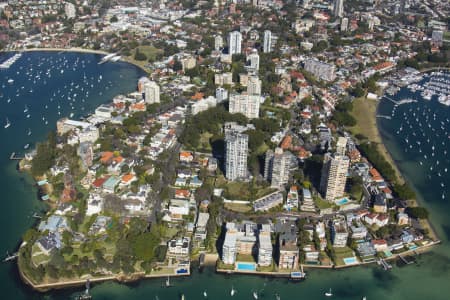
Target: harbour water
{"points": [[428, 279]]}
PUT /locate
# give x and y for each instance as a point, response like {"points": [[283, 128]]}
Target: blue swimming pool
{"points": [[350, 260], [246, 266], [342, 201]]}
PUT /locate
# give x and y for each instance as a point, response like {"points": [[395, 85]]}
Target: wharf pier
{"points": [[13, 156]]}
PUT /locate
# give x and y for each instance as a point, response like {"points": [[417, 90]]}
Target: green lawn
{"points": [[364, 111], [241, 208], [342, 253], [322, 204], [245, 257], [204, 141]]}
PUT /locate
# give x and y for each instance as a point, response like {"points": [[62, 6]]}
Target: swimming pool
{"points": [[246, 266], [341, 201], [350, 260]]}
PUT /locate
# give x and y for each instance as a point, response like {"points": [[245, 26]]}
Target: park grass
{"points": [[238, 190], [149, 51], [242, 191], [365, 111]]}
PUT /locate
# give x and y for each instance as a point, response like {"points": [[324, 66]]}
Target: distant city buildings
{"points": [[203, 105], [253, 59], [69, 10], [221, 94], [218, 42], [320, 70], [236, 152], [344, 24], [253, 85], [338, 8], [267, 46], [234, 42]]}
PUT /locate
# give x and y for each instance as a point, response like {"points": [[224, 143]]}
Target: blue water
{"points": [[246, 267], [350, 260], [39, 82], [342, 201], [427, 280]]}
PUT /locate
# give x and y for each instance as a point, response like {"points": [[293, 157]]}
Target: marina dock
{"points": [[10, 257], [13, 156]]}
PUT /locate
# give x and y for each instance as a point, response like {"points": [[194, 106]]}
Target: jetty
{"points": [[13, 156], [400, 102], [10, 257], [108, 58], [8, 63], [384, 264], [384, 117]]}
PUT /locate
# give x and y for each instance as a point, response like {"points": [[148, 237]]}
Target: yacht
{"points": [[205, 294], [233, 291], [168, 281], [255, 295], [329, 293], [7, 123]]}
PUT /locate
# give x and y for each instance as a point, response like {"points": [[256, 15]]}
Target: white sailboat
{"points": [[329, 293], [233, 291], [7, 123], [168, 281], [205, 294], [255, 295]]}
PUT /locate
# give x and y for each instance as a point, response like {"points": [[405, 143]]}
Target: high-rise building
{"points": [[234, 42], [338, 8], [229, 250], [218, 42], [267, 46], [254, 85], [344, 24], [236, 152], [339, 232], [151, 92], [221, 94], [341, 145], [245, 104], [334, 176], [264, 246], [277, 167], [253, 58]]}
